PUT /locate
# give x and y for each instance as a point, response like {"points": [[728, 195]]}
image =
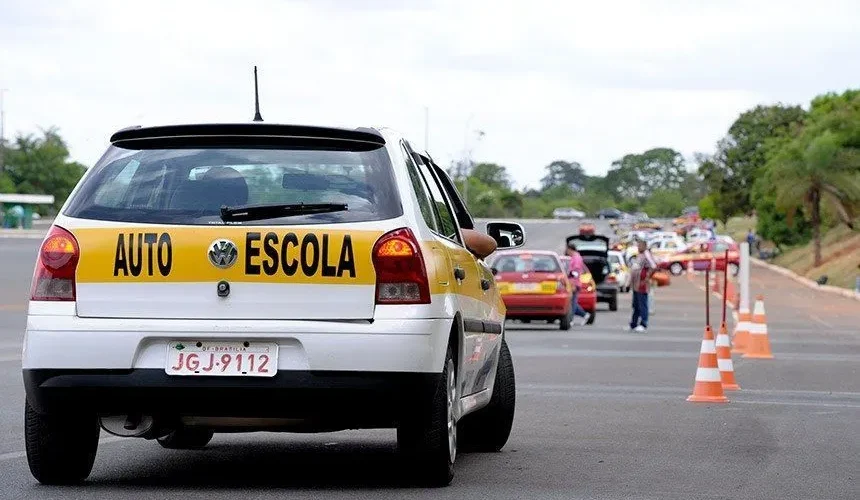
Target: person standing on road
{"points": [[642, 269], [577, 267]]}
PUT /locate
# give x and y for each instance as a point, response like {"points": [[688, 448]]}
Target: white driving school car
{"points": [[260, 277]]}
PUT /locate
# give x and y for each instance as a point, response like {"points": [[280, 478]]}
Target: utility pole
{"points": [[2, 132]]}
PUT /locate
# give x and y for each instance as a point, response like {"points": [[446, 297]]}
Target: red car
{"points": [[534, 286], [701, 255]]}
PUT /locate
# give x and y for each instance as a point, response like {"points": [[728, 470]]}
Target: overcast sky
{"points": [[561, 79]]}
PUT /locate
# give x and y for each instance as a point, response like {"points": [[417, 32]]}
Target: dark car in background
{"points": [[594, 249], [610, 213]]}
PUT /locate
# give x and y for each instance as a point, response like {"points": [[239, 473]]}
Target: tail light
{"points": [[54, 276], [611, 278], [401, 277]]}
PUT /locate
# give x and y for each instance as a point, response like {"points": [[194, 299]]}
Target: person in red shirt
{"points": [[641, 270], [577, 267]]}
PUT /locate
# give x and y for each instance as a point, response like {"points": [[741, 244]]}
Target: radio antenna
{"points": [[257, 117]]}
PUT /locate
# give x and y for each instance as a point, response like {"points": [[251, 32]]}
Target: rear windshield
{"points": [[189, 186], [527, 263], [596, 245]]}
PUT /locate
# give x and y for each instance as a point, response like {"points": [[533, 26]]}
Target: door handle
{"points": [[485, 284], [459, 273]]}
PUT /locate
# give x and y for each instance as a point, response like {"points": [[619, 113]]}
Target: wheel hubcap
{"points": [[452, 411]]}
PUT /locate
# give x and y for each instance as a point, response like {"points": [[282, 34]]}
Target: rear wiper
{"points": [[262, 212]]}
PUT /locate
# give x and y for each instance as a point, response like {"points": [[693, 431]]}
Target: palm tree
{"points": [[820, 172]]}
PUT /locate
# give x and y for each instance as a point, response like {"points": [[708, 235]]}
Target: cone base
{"points": [[758, 356], [731, 387], [707, 399]]}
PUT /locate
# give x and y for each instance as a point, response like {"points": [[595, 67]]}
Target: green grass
{"points": [[840, 250]]}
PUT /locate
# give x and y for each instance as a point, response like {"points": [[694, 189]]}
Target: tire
{"points": [[613, 303], [61, 448], [427, 438], [593, 316], [734, 269], [526, 321], [186, 438], [564, 322], [676, 268], [488, 429]]}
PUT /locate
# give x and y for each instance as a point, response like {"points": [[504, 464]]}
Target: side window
{"points": [[447, 223], [421, 193]]}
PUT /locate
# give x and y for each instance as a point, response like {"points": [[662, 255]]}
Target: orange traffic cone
{"points": [[724, 360], [759, 343], [741, 337], [708, 386]]}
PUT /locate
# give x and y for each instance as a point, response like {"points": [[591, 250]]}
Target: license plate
{"points": [[526, 287], [224, 359]]}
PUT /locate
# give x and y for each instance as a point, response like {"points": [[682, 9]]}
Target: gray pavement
{"points": [[600, 414]]}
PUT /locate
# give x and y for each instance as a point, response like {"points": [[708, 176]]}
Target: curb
{"points": [[806, 281]]}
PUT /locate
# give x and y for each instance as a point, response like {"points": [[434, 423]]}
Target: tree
{"points": [[821, 172], [40, 165], [494, 176], [742, 153], [665, 203], [640, 175], [564, 173]]}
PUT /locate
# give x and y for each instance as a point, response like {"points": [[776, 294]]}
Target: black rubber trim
{"points": [[492, 327], [364, 398], [480, 326], [473, 325], [194, 134]]}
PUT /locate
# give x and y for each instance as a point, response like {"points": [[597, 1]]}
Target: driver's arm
{"points": [[480, 244]]}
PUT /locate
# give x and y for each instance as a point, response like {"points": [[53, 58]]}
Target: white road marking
{"points": [[825, 323], [21, 454]]}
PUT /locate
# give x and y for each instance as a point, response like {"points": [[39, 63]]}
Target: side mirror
{"points": [[494, 271], [507, 234]]}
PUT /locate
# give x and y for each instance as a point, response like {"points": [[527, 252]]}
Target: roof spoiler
{"points": [[238, 134]]}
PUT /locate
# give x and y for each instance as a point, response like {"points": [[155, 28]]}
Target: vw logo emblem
{"points": [[223, 253]]}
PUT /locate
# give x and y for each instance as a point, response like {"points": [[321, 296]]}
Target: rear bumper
{"points": [[341, 399], [606, 293], [587, 301], [537, 305], [383, 345]]}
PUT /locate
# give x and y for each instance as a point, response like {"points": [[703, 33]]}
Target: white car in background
{"points": [[568, 213], [618, 265]]}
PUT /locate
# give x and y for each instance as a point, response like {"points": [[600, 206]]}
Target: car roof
{"points": [[521, 251]]}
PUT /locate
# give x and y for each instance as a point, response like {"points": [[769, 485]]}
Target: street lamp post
{"points": [[467, 169]]}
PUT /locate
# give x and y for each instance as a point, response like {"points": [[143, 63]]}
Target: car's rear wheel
{"points": [[61, 447], [488, 429], [593, 315], [564, 322], [676, 268], [186, 438], [428, 436], [613, 303]]}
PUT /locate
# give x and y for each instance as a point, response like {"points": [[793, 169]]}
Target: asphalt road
{"points": [[600, 414]]}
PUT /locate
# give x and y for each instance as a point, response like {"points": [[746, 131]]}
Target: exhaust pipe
{"points": [[134, 425]]}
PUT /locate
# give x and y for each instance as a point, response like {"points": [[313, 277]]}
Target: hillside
{"points": [[840, 248]]}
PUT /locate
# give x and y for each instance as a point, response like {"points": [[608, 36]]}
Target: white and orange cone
{"points": [[691, 271], [724, 360], [708, 387], [741, 338], [759, 343]]}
